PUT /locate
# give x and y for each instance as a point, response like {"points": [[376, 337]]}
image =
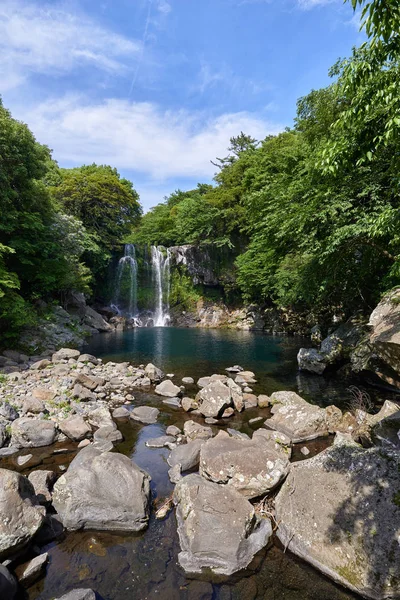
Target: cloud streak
{"points": [[49, 40], [140, 136]]}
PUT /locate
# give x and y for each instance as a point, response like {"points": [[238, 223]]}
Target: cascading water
{"points": [[125, 297], [160, 260]]}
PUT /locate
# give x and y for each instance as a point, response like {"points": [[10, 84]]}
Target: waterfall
{"points": [[160, 260], [125, 297]]}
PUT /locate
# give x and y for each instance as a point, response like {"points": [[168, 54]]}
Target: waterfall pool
{"points": [[144, 566]]}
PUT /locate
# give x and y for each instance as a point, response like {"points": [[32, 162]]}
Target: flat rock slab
{"points": [[79, 594], [340, 511], [186, 455], [145, 414], [173, 402], [296, 418], [104, 491], [217, 527], [31, 571], [252, 467], [160, 442], [167, 388]]}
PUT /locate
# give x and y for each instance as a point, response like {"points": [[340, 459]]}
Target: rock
{"points": [[13, 355], [312, 360], [234, 369], [3, 434], [40, 364], [145, 414], [21, 516], [8, 412], [33, 405], [103, 491], [154, 373], [32, 570], [83, 393], [65, 354], [186, 455], [340, 511], [99, 417], [263, 401], [333, 418], [173, 402], [251, 467], [32, 433], [161, 442], [229, 412], [168, 389], [250, 400], [173, 430], [211, 421], [187, 380], [195, 431], [42, 482], [88, 381], [214, 399], [108, 433], [217, 528], [9, 451], [174, 473], [189, 404], [280, 442], [237, 434], [203, 382], [8, 584], [121, 413], [88, 358], [75, 428], [44, 394], [51, 530], [255, 421], [296, 418], [237, 395], [305, 451], [93, 319], [83, 443], [79, 594]]}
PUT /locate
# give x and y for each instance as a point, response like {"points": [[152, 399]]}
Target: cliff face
{"points": [[207, 266]]}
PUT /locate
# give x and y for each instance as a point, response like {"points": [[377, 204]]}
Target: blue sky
{"points": [[157, 87]]}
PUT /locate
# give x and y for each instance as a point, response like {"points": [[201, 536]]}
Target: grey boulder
{"points": [[218, 528], [214, 398], [153, 373], [104, 491], [186, 455], [168, 389], [42, 482], [311, 360], [75, 428], [21, 517], [340, 511], [296, 418], [145, 414], [32, 433]]}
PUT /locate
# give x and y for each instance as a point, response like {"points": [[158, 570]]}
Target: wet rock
{"points": [[65, 354], [51, 529], [153, 373], [217, 527], [145, 414], [8, 584], [32, 570], [103, 491], [195, 431], [32, 433], [186, 455], [21, 516], [75, 428], [340, 511], [120, 413], [263, 401], [173, 430], [108, 433], [79, 594], [311, 360], [252, 467], [160, 442], [296, 418], [214, 399], [42, 482], [168, 388]]}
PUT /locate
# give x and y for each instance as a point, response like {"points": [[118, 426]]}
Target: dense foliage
{"points": [[312, 213], [55, 225]]}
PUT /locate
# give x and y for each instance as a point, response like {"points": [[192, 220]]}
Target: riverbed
{"points": [[145, 566]]}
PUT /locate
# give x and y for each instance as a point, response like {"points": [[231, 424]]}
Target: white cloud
{"points": [[139, 136], [164, 7], [306, 4], [49, 40]]}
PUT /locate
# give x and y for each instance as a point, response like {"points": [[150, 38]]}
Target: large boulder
{"points": [[145, 414], [103, 490], [75, 428], [340, 511], [186, 455], [153, 373], [312, 360], [93, 319], [217, 527], [32, 433], [214, 398], [296, 418], [65, 354], [168, 389], [252, 467], [21, 516]]}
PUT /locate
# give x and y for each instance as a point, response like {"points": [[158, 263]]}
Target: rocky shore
{"points": [[339, 509]]}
